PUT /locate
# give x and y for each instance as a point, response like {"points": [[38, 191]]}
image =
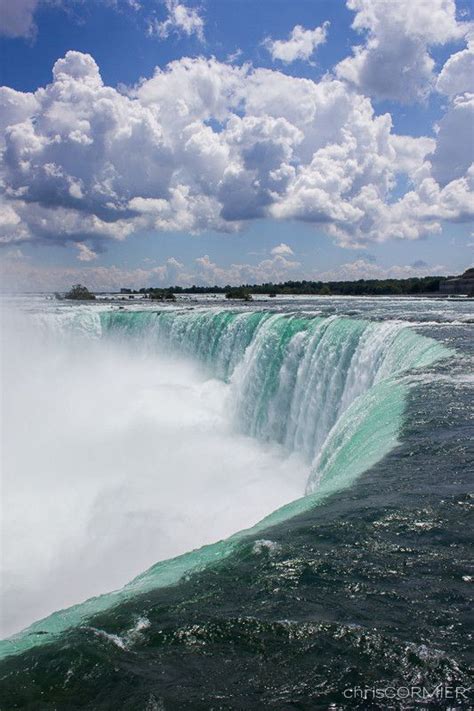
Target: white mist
{"points": [[113, 460]]}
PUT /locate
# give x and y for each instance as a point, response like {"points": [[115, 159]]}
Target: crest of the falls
{"points": [[331, 389]]}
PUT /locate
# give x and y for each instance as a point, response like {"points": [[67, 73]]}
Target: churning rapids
{"points": [[135, 436]]}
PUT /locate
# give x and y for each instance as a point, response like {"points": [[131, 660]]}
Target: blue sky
{"points": [[234, 169]]}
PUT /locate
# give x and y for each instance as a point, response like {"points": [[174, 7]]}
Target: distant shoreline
{"points": [[429, 287]]}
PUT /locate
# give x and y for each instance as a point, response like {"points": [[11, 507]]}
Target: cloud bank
{"points": [[17, 273], [204, 145]]}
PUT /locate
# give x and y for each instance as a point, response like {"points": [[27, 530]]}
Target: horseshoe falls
{"points": [[316, 386], [200, 472]]}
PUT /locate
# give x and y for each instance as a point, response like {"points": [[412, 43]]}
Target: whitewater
{"points": [[163, 436]]}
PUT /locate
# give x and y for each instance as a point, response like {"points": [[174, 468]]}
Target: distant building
{"points": [[463, 284], [125, 291]]}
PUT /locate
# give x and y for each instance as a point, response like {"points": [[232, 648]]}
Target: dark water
{"points": [[368, 591]]}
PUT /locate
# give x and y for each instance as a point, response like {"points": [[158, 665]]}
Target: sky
{"points": [[162, 142]]}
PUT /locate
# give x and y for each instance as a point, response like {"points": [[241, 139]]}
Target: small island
{"points": [[161, 295], [80, 293], [238, 292]]}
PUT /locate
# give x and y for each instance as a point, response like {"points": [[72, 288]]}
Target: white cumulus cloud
{"points": [[394, 62], [85, 253], [301, 43], [282, 249], [204, 145], [181, 19], [454, 151], [457, 75]]}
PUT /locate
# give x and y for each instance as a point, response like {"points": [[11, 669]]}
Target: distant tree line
{"points": [[361, 287], [155, 293]]}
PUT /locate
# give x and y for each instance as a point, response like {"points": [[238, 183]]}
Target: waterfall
{"points": [[328, 388], [331, 389]]}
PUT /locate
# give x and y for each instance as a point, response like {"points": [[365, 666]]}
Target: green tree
{"points": [[80, 293], [238, 293]]}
